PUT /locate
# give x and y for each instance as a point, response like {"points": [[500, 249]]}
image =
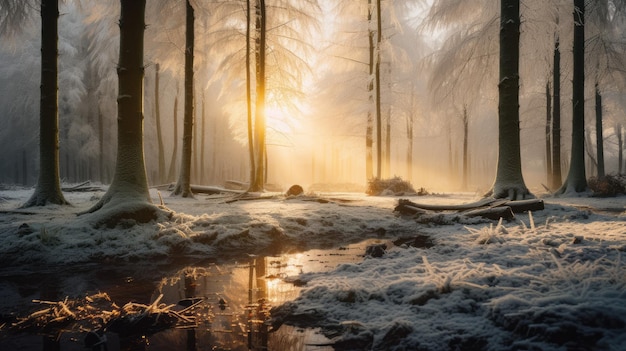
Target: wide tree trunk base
{"points": [[182, 191], [511, 192], [572, 188], [111, 212], [40, 198]]}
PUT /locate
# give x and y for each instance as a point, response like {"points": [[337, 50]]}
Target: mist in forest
{"points": [[438, 66]]}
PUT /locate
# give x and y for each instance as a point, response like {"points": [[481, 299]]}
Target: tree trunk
{"points": [[377, 90], [171, 174], [194, 146], [556, 117], [620, 149], [369, 127], [128, 195], [48, 190], [202, 140], [576, 180], [509, 182], [248, 96], [183, 186], [548, 132], [593, 163], [259, 121], [451, 171], [410, 134], [157, 117], [465, 146], [387, 168], [599, 137], [409, 153]]}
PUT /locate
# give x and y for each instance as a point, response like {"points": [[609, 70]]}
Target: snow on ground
{"points": [[550, 280]]}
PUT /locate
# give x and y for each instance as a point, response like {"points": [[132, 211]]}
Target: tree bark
{"points": [[128, 196], [620, 149], [183, 186], [556, 117], [259, 121], [387, 168], [48, 190], [157, 117], [599, 133], [369, 127], [379, 146], [465, 147], [509, 182], [576, 180], [171, 174], [409, 153], [548, 132], [248, 95], [202, 140]]}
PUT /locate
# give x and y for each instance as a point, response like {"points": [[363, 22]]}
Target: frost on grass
{"points": [[504, 285], [527, 285]]}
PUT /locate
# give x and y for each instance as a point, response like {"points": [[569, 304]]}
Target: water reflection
{"points": [[233, 302], [227, 305], [232, 306]]}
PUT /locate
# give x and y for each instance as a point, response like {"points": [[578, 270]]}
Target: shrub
{"points": [[395, 186], [607, 186]]}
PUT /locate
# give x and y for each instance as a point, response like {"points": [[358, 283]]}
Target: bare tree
{"points": [[171, 174], [183, 185], [128, 195], [620, 148], [248, 95], [258, 182], [509, 181], [576, 180], [548, 134], [369, 126], [157, 117], [14, 14], [556, 115], [275, 40]]}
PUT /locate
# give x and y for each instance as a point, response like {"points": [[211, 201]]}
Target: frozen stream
{"points": [[233, 301]]}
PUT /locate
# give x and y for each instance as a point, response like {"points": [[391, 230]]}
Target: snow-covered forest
{"points": [[438, 68], [312, 175]]}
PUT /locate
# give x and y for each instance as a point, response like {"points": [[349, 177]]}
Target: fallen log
{"points": [[494, 213], [469, 206], [236, 185], [82, 187], [213, 190], [405, 207], [519, 206], [486, 208]]}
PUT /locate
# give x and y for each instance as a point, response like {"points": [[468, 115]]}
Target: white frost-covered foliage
{"points": [[551, 280], [522, 286]]}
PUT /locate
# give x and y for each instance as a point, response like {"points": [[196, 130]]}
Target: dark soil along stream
{"points": [[231, 303]]}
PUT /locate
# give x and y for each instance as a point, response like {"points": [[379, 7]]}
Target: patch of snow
{"points": [[550, 280]]}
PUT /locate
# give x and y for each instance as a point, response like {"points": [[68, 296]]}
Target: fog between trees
{"points": [[436, 61]]}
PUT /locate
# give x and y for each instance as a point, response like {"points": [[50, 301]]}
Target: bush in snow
{"points": [[607, 186], [392, 186]]}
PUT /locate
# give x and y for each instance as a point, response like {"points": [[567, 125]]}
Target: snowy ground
{"points": [[550, 280]]}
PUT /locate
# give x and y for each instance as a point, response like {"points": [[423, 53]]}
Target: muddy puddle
{"points": [[221, 306]]}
